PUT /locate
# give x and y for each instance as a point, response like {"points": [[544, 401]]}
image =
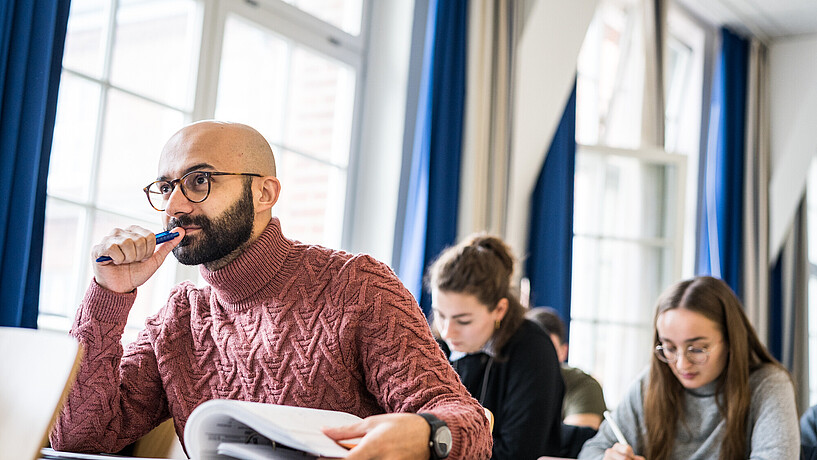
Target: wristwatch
{"points": [[440, 440]]}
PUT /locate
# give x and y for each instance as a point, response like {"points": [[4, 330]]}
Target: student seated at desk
{"points": [[279, 321], [584, 400], [507, 362], [713, 391]]}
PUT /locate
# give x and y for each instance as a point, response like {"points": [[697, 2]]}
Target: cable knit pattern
{"points": [[285, 323]]}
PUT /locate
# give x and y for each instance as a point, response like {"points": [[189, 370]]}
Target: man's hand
{"points": [[621, 452], [386, 437], [134, 257]]}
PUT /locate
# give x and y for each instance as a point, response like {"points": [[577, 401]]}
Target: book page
{"points": [[217, 421], [256, 452]]}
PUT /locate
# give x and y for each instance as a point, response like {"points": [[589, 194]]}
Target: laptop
{"points": [[38, 368]]}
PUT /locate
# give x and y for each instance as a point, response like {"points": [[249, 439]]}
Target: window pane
{"points": [[621, 196], [601, 349], [610, 77], [155, 49], [319, 111], [617, 280], [134, 133], [85, 37], [312, 199], [294, 96], [74, 132], [252, 85], [344, 14], [61, 250], [303, 104]]}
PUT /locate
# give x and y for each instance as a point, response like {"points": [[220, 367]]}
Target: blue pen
{"points": [[160, 238]]}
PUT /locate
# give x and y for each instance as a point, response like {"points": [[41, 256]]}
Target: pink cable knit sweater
{"points": [[285, 323]]}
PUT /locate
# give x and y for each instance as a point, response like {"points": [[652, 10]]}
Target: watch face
{"points": [[442, 441]]}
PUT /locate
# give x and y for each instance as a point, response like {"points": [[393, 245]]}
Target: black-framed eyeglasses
{"points": [[695, 355], [195, 187]]}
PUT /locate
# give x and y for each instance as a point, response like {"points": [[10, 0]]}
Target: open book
{"points": [[223, 428]]}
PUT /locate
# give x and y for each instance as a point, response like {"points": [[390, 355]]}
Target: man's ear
{"points": [[270, 191]]}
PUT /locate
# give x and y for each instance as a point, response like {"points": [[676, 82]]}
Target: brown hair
{"points": [[548, 318], [482, 266], [712, 298]]}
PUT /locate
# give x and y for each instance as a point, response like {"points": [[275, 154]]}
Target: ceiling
{"points": [[767, 20]]}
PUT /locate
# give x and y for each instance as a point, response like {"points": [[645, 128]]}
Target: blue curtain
{"points": [[32, 37], [776, 309], [721, 225], [431, 220], [550, 243]]}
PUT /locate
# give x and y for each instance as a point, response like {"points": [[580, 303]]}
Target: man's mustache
{"points": [[188, 221]]}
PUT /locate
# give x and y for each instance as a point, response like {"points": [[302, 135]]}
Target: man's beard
{"points": [[218, 237]]}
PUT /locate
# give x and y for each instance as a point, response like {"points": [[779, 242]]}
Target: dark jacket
{"points": [[524, 390]]}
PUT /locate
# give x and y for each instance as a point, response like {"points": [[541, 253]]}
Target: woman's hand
{"points": [[621, 452]]}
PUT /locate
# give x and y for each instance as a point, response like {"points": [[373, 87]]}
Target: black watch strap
{"points": [[440, 440]]}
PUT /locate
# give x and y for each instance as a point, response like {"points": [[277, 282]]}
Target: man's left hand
{"points": [[386, 437]]}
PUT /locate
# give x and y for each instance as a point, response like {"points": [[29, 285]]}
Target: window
{"points": [[634, 208], [135, 71]]}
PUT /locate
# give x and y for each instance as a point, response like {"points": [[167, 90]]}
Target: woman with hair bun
{"points": [[506, 362]]}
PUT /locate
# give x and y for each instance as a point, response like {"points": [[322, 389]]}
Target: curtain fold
{"points": [[486, 135], [655, 26], [721, 243], [32, 38], [756, 194], [431, 223], [788, 322], [549, 265]]}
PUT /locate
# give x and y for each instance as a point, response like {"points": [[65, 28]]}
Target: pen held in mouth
{"points": [[160, 238]]}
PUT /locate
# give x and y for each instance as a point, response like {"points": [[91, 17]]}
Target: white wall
{"points": [[545, 71], [793, 102]]}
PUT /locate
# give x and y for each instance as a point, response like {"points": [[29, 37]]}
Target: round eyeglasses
{"points": [[695, 355], [195, 187]]}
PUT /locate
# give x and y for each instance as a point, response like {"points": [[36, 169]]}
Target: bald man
{"points": [[279, 322]]}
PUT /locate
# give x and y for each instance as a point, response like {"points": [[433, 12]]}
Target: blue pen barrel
{"points": [[160, 238]]}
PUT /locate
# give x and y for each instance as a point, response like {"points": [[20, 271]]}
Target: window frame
{"points": [[674, 243], [276, 16]]}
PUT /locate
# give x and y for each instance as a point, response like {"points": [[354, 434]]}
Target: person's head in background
{"points": [[702, 337], [470, 286], [549, 319]]}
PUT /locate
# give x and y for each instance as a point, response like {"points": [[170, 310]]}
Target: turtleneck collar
{"points": [[705, 391], [259, 269]]}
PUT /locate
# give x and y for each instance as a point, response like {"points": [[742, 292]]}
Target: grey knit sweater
{"points": [[772, 433]]}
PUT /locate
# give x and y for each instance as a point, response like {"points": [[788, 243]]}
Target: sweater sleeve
{"points": [[117, 397], [775, 429], [403, 366], [531, 410], [629, 416]]}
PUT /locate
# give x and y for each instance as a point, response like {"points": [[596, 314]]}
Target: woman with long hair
{"points": [[506, 362], [713, 391]]}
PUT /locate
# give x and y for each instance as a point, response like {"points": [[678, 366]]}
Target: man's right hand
{"points": [[134, 257]]}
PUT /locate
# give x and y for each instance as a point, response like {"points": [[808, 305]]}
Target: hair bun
{"points": [[497, 247]]}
